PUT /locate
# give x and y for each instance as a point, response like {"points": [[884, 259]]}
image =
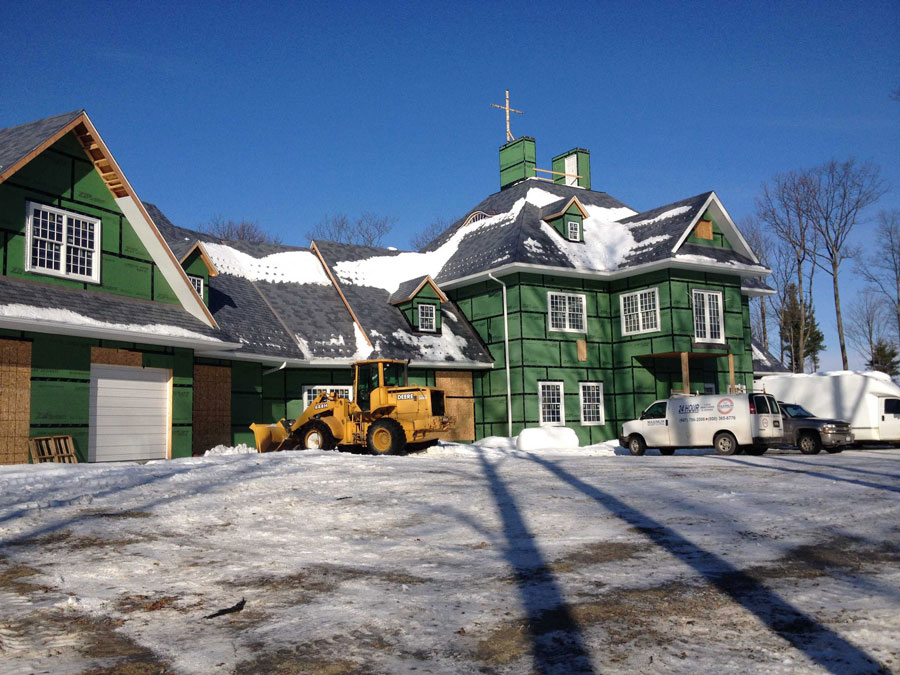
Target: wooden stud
{"points": [[685, 373], [731, 386]]}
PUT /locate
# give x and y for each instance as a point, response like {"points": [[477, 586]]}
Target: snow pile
{"points": [[241, 449], [67, 316], [543, 438], [298, 267]]}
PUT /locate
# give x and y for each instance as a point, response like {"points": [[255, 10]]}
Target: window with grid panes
{"points": [[567, 312], [591, 395], [426, 318], [640, 311], [708, 316], [197, 283], [550, 403], [573, 230], [62, 243], [310, 392]]}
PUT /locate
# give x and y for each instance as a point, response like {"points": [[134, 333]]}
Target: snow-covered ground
{"points": [[460, 559]]}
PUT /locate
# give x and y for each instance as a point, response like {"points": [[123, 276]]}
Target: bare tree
{"points": [[839, 193], [865, 320], [759, 307], [420, 239], [366, 230], [882, 268], [895, 95], [784, 207], [239, 230]]}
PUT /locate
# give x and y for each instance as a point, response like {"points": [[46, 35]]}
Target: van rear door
{"points": [[765, 416], [889, 425]]}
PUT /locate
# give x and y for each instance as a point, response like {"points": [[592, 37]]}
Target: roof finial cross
{"points": [[509, 136]]}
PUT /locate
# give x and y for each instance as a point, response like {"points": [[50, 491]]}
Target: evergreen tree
{"points": [[884, 358], [793, 315]]}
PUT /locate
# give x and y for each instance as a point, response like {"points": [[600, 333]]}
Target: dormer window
{"points": [[426, 318], [573, 230], [197, 283], [62, 243]]}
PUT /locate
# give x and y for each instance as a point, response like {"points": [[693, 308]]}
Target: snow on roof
{"points": [[606, 242], [67, 316], [671, 213], [299, 267], [388, 272], [444, 347]]}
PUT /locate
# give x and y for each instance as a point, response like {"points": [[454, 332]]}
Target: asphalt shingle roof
{"points": [[16, 142], [103, 307]]}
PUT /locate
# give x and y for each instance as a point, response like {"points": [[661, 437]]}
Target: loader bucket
{"points": [[268, 436]]}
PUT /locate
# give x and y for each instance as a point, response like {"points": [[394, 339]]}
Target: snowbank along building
{"points": [[549, 303]]}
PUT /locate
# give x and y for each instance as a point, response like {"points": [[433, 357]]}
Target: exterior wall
{"points": [[631, 379], [61, 380], [63, 176]]}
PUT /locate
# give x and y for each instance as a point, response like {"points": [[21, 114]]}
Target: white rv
{"points": [[729, 423], [868, 400]]}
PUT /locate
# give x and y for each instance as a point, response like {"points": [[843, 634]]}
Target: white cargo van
{"points": [[729, 423], [869, 401]]}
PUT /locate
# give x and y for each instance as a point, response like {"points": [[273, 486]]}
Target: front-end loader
{"points": [[384, 416]]}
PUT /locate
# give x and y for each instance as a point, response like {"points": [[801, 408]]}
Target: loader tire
{"points": [[315, 435], [385, 437]]}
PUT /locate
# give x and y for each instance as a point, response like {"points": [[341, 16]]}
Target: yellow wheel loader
{"points": [[384, 415]]}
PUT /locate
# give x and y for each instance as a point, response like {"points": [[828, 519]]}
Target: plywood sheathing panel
{"points": [[212, 407], [704, 229], [116, 357], [15, 400], [459, 402]]}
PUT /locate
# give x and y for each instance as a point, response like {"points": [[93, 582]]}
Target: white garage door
{"points": [[129, 413]]}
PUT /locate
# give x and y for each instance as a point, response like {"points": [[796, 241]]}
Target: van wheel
{"points": [[725, 443], [385, 437], [636, 445], [810, 444], [667, 451]]}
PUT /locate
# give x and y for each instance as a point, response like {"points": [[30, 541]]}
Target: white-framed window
{"points": [[640, 311], [573, 230], [551, 406], [708, 316], [567, 312], [197, 283], [311, 391], [426, 318], [591, 397], [62, 243]]}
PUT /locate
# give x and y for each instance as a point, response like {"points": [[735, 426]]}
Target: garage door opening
{"points": [[130, 417]]}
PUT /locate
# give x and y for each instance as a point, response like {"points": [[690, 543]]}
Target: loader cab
{"points": [[370, 375]]}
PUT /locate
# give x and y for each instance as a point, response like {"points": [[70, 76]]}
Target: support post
{"points": [[731, 387], [685, 373]]}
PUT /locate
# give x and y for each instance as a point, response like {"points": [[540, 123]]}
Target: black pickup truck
{"points": [[811, 433]]}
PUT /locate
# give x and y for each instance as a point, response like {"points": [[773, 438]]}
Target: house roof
{"points": [[42, 307], [764, 362], [18, 142], [390, 333], [279, 302]]}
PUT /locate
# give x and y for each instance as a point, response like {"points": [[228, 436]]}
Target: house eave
{"points": [[742, 271], [118, 334]]}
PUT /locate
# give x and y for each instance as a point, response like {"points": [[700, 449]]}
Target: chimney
{"points": [[576, 161], [517, 161]]}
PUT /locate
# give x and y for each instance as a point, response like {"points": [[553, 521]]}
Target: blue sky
{"points": [[282, 113]]}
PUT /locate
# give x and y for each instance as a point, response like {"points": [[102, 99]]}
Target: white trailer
{"points": [[869, 401]]}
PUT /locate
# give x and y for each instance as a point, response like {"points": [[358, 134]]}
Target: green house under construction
{"points": [[549, 303]]}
